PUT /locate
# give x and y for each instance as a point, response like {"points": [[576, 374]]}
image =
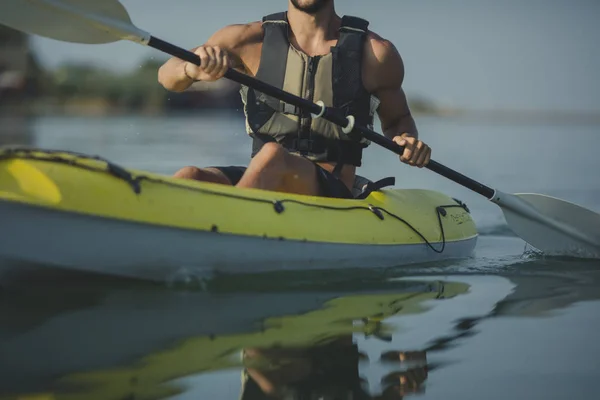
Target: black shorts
{"points": [[330, 185], [233, 173]]}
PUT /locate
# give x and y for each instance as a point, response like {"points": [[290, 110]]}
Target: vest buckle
{"points": [[288, 109]]}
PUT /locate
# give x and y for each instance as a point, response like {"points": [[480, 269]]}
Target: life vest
{"points": [[334, 78]]}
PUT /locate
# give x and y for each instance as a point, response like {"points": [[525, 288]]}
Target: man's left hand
{"points": [[416, 152]]}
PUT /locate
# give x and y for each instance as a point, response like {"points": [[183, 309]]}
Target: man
{"points": [[313, 53]]}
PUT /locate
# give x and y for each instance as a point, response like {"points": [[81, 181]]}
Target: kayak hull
{"points": [[144, 251], [68, 211]]}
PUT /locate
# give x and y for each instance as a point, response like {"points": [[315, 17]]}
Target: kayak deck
{"points": [[76, 211]]}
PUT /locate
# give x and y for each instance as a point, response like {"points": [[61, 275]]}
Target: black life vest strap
{"points": [[354, 24], [274, 57], [276, 33], [371, 187], [273, 61], [350, 96], [347, 75]]}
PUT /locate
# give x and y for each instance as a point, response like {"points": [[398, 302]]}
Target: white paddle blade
{"points": [[554, 226], [76, 21]]}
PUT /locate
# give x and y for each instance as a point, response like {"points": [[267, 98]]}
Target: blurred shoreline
{"points": [[27, 89]]}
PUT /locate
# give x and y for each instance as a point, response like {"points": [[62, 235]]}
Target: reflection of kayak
{"points": [[95, 339], [548, 286], [74, 211]]}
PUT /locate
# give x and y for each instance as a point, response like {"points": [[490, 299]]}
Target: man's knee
{"points": [[272, 154], [199, 174], [189, 173]]}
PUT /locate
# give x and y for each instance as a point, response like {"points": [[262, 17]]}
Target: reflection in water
{"points": [[275, 337], [125, 342], [398, 384], [326, 371]]}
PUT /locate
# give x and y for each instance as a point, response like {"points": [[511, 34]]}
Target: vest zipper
{"points": [[305, 128], [312, 69]]}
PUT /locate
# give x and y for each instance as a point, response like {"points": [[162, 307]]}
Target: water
{"points": [[502, 324]]}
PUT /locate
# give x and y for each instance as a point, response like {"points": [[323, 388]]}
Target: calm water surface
{"points": [[503, 324]]}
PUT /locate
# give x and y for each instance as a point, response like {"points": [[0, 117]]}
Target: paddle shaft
{"points": [[330, 115]]}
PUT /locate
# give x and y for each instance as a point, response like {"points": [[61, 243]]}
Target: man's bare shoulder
{"points": [[383, 63], [237, 35]]}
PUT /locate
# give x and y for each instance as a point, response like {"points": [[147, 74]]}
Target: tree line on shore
{"points": [[89, 89]]}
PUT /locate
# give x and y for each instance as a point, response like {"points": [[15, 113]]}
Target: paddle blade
{"points": [[554, 226], [76, 21]]}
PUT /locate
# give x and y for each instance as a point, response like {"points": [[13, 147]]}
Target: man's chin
{"points": [[312, 7]]}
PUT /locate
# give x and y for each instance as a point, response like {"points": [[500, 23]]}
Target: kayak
{"points": [[80, 212], [76, 211]]}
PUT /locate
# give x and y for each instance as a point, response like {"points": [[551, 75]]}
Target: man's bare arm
{"points": [[230, 42], [383, 76]]}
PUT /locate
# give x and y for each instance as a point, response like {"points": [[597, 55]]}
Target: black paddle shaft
{"points": [[330, 114]]}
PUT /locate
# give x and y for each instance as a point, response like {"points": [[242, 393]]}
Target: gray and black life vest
{"points": [[334, 78]]}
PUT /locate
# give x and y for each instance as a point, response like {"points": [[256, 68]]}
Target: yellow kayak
{"points": [[76, 211]]}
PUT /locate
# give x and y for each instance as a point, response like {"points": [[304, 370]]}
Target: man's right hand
{"points": [[221, 51], [214, 64]]}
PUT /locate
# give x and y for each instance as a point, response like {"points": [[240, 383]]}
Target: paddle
{"points": [[551, 225]]}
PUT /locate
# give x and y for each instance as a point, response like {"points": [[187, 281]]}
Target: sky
{"points": [[477, 54]]}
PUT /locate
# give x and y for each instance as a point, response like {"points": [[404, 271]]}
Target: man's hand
{"points": [[224, 49], [214, 64], [416, 152]]}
